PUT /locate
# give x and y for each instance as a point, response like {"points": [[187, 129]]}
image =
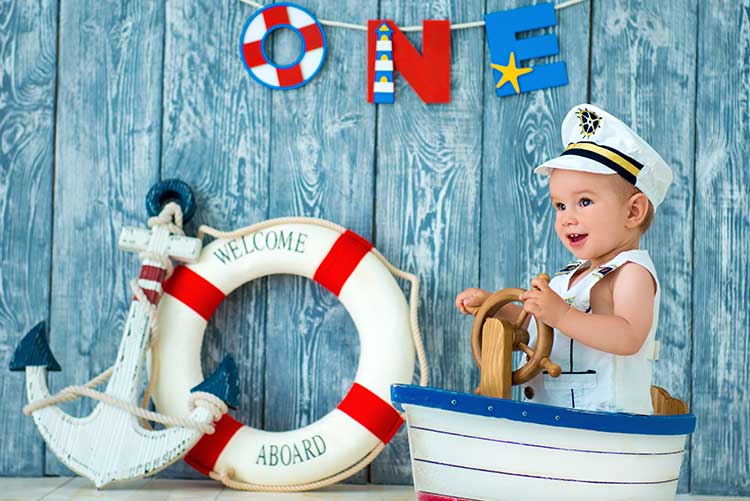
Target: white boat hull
{"points": [[458, 454]]}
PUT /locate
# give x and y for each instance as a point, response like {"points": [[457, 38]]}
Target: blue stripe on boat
{"points": [[611, 422], [526, 475], [525, 444]]}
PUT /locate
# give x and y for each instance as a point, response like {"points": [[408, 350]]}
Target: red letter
{"points": [[428, 73]]}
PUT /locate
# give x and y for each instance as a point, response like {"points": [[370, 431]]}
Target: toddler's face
{"points": [[590, 212]]}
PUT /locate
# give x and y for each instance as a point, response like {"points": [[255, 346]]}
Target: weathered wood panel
{"points": [[427, 201], [322, 152], [446, 185], [643, 68], [216, 138], [107, 156], [28, 57], [520, 132], [721, 293]]}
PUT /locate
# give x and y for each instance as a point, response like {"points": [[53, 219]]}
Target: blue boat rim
{"points": [[467, 403]]}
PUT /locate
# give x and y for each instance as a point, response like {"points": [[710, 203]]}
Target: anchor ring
{"points": [[171, 190]]}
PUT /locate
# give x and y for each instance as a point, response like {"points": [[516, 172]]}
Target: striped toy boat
{"points": [[470, 447]]}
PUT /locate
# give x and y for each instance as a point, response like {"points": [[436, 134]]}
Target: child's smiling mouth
{"points": [[576, 239]]}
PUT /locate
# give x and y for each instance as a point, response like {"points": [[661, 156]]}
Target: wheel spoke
{"points": [[526, 349], [521, 319]]}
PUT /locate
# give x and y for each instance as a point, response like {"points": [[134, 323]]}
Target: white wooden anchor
{"points": [[110, 444]]}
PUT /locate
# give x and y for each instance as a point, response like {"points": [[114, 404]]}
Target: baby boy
{"points": [[604, 306]]}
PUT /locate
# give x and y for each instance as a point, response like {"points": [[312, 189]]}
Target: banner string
{"points": [[459, 26]]}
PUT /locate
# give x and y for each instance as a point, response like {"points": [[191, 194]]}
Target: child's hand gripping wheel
{"points": [[494, 341]]}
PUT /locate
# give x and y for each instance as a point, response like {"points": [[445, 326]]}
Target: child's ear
{"points": [[637, 210]]}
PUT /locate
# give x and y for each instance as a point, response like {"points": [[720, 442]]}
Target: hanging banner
{"points": [[390, 52]]}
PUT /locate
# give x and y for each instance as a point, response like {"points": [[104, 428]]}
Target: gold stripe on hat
{"points": [[605, 152]]}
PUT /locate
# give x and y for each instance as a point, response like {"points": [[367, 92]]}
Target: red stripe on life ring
{"points": [[372, 412], [275, 15], [194, 291], [204, 454], [253, 54], [313, 37], [342, 259], [290, 76]]}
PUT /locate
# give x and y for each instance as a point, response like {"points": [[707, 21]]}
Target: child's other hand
{"points": [[544, 303], [470, 298]]}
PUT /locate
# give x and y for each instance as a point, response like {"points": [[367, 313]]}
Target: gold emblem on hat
{"points": [[589, 121]]}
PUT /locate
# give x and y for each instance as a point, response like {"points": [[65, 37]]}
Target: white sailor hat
{"points": [[597, 142]]}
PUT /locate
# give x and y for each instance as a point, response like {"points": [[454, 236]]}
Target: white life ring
{"points": [[253, 46], [347, 265]]}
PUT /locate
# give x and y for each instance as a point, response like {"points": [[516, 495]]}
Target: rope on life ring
{"points": [[205, 456]]}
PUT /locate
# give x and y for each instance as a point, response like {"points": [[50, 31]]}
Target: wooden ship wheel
{"points": [[493, 342]]}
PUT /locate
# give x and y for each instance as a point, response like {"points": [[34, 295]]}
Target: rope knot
{"points": [[213, 404], [171, 211]]}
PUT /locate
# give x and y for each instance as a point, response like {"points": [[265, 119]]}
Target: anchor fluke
{"points": [[33, 351], [223, 382]]}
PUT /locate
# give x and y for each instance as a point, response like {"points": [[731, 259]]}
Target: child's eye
{"points": [[560, 206], [585, 202]]}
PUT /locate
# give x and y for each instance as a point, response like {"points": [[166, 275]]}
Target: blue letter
{"points": [[507, 51]]}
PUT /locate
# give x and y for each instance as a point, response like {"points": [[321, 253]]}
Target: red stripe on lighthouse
{"points": [[341, 261], [372, 412], [152, 273], [204, 454], [151, 295], [194, 291]]}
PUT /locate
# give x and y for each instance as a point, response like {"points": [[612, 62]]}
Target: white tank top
{"points": [[593, 379]]}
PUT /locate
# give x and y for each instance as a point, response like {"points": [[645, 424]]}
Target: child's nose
{"points": [[568, 218]]}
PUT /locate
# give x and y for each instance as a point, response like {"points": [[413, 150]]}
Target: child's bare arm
{"points": [[625, 331], [621, 333]]}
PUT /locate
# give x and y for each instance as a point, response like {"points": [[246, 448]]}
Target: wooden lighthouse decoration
{"points": [[389, 52], [383, 90]]}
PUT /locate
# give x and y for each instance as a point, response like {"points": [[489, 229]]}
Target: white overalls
{"points": [[593, 379]]}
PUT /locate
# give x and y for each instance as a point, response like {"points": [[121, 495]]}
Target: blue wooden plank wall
{"points": [[101, 98]]}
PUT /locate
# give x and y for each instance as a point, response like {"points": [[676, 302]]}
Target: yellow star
{"points": [[511, 72]]}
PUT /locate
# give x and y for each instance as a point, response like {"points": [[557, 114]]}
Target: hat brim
{"points": [[573, 162]]}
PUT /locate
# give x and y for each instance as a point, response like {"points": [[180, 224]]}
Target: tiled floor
{"points": [[62, 488]]}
